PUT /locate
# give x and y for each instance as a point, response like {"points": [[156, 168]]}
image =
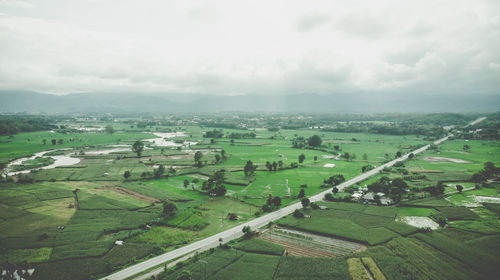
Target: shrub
{"points": [[298, 214]]}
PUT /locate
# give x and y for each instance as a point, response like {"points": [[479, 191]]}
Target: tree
{"points": [[197, 158], [53, 141], [126, 174], [346, 156], [276, 201], [314, 141], [315, 158], [247, 231], [159, 171], [489, 169], [219, 176], [186, 183], [44, 141], [169, 208], [466, 147], [399, 183], [60, 142], [302, 157], [138, 147], [478, 177], [335, 190], [365, 156], [305, 202], [269, 166], [459, 188], [275, 165], [298, 214], [398, 154], [249, 168], [366, 168], [440, 219], [302, 193], [109, 129], [217, 158], [411, 155]]}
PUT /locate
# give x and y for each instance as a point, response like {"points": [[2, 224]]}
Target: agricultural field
{"points": [[87, 203]]}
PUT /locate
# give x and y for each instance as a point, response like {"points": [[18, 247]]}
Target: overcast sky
{"points": [[245, 47]]}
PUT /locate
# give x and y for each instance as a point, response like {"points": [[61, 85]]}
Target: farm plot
{"points": [[299, 268], [259, 246], [306, 244], [475, 259], [250, 266], [351, 222], [218, 260], [430, 263]]}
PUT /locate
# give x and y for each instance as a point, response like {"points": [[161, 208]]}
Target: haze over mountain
{"points": [[344, 103]]}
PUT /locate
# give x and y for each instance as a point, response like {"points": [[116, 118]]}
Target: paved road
{"points": [[236, 232], [476, 121]]}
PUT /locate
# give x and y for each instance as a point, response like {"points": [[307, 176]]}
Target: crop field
{"points": [[39, 221], [306, 244], [351, 222]]}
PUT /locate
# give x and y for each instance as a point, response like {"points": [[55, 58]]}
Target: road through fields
{"points": [[236, 232]]}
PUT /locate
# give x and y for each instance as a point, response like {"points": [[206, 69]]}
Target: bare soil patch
{"points": [[436, 159], [420, 222], [199, 176], [135, 195]]}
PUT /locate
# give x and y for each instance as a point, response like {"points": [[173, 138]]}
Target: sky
{"points": [[251, 47]]}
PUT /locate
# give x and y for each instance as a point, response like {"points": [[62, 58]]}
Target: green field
{"points": [[39, 222]]}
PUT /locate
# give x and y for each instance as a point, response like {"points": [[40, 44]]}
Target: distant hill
{"points": [[33, 102]]}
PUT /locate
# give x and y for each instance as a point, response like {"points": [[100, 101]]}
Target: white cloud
{"points": [[229, 47]]}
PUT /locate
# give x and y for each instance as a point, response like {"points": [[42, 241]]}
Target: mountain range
{"points": [[34, 102]]}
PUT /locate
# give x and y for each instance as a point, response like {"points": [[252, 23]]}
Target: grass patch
{"points": [[259, 246], [302, 268], [250, 266], [29, 255], [164, 236], [188, 219], [357, 269], [472, 257], [430, 263], [373, 268], [427, 202], [457, 213], [415, 211]]}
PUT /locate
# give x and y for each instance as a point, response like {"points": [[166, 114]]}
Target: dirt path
{"points": [[288, 188], [135, 195]]}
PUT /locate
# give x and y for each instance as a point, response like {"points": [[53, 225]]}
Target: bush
{"points": [[298, 214]]}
